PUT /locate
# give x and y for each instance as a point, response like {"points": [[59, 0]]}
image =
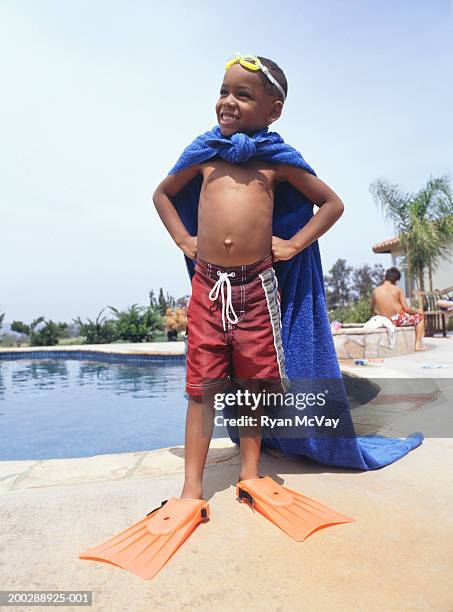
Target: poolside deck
{"points": [[397, 556]]}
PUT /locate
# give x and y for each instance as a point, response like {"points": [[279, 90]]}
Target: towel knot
{"points": [[242, 148]]}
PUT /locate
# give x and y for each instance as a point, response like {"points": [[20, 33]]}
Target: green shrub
{"points": [[355, 312], [138, 323], [41, 332], [48, 334], [100, 331]]}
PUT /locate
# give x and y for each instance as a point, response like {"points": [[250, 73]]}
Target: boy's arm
{"points": [[404, 305], [169, 187], [330, 210]]}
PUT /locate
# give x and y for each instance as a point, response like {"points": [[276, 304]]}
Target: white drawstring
{"points": [[214, 294]]}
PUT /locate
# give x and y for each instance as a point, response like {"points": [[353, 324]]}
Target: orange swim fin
{"points": [[297, 515], [145, 547]]}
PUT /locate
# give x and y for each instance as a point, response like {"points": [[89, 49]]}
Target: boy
{"points": [[388, 300], [234, 231], [234, 327]]}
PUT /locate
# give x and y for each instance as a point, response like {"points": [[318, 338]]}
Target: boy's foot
{"points": [[420, 348], [248, 475], [192, 492]]}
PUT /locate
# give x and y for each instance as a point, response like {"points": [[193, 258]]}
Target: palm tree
{"points": [[423, 221]]}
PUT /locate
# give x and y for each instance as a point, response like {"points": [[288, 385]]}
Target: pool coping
{"points": [[146, 351], [37, 474]]}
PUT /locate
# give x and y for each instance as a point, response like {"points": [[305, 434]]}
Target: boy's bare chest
{"points": [[218, 173]]}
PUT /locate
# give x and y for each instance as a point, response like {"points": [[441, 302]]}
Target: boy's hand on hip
{"points": [[189, 246], [283, 250]]}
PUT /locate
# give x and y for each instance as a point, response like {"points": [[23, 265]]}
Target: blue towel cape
{"points": [[307, 339]]}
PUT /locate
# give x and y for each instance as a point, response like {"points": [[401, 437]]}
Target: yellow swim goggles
{"points": [[253, 63]]}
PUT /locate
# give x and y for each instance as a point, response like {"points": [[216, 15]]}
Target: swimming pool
{"points": [[62, 408], [66, 406]]}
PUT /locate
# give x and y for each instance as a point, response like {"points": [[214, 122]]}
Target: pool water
{"points": [[54, 408], [59, 408]]}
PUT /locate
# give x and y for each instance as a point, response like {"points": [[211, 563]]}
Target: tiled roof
{"points": [[386, 246]]}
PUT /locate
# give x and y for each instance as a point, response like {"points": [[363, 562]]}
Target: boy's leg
{"points": [[250, 453], [250, 440], [420, 334], [199, 426], [258, 357], [208, 356]]}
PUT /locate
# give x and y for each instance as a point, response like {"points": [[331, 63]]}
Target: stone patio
{"points": [[397, 556]]}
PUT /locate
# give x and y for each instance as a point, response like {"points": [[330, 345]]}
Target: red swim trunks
{"points": [[403, 319], [234, 328]]}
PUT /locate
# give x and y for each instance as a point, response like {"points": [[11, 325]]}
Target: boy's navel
{"points": [[227, 242]]}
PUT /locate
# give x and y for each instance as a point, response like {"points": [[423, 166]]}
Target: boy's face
{"points": [[245, 102]]}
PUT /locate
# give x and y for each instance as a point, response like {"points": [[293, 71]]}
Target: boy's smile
{"points": [[244, 105]]}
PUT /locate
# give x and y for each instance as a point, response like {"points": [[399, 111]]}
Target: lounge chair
{"points": [[436, 319]]}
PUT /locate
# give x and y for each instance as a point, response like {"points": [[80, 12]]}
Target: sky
{"points": [[100, 97]]}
